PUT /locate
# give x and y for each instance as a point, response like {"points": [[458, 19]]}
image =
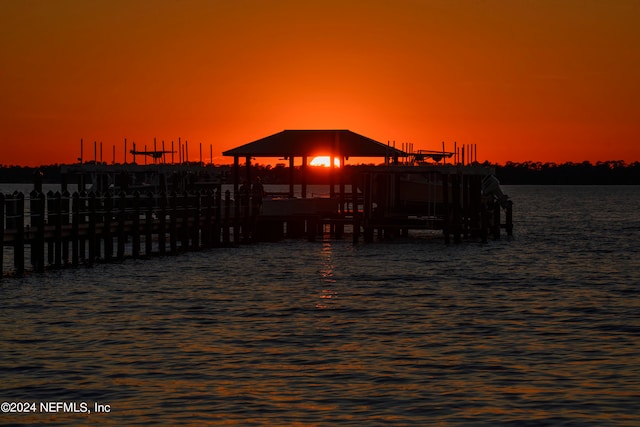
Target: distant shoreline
{"points": [[527, 173]]}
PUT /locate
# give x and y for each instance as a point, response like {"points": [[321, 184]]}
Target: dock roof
{"points": [[299, 143]]}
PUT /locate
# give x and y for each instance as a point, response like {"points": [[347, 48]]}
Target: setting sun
{"points": [[325, 161]]}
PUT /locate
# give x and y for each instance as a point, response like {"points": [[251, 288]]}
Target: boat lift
{"points": [[154, 154]]}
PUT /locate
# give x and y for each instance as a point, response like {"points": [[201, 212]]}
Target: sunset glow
{"points": [[324, 161], [541, 81]]}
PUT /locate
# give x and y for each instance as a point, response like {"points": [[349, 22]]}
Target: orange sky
{"points": [[549, 81]]}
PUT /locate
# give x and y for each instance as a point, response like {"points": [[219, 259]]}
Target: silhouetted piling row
{"points": [[84, 228], [451, 199]]}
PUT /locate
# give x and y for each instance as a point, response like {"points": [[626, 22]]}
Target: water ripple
{"points": [[541, 330]]}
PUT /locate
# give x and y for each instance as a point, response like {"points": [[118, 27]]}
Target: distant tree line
{"points": [[26, 174], [585, 173]]}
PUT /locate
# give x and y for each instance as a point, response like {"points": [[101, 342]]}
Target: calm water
{"points": [[542, 329]]}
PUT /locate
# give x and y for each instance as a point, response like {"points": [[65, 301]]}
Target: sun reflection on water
{"points": [[327, 267]]}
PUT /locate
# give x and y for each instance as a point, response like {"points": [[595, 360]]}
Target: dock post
{"points": [[184, 229], [64, 182], [239, 218], [245, 216], [10, 207], [446, 213], [1, 235], [82, 219], [218, 216], [312, 228], [162, 228], [227, 214], [208, 217], [354, 213], [466, 212], [75, 219], [39, 233], [484, 222], [51, 219], [37, 181], [496, 220], [173, 227], [18, 244], [58, 230], [92, 227], [509, 218], [106, 231], [337, 228], [99, 220], [195, 236], [341, 186], [122, 217], [64, 214], [33, 220], [475, 215], [148, 226], [457, 218], [291, 175], [368, 230]]}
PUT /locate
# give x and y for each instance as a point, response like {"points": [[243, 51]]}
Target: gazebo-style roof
{"points": [[302, 143]]}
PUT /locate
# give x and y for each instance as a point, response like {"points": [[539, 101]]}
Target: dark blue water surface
{"points": [[541, 329]]}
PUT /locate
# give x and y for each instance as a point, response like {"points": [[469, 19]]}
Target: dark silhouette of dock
{"points": [[60, 229], [116, 220]]}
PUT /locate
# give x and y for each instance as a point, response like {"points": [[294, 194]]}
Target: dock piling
{"points": [[148, 225], [173, 225], [57, 235], [217, 216], [37, 206], [75, 221], [93, 242], [135, 229], [509, 218], [162, 228], [107, 237], [226, 239], [122, 217], [64, 216], [2, 228]]}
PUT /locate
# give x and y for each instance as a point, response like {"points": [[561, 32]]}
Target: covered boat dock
{"points": [[306, 144], [392, 198]]}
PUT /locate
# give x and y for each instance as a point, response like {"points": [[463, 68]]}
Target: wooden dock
{"points": [[55, 230], [462, 201]]}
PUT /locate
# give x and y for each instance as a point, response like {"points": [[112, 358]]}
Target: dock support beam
{"points": [[93, 242], [457, 217], [18, 245], [148, 226], [107, 237], [57, 235], [162, 228], [509, 218], [2, 204], [354, 210], [122, 216], [446, 208], [496, 220], [75, 232]]}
